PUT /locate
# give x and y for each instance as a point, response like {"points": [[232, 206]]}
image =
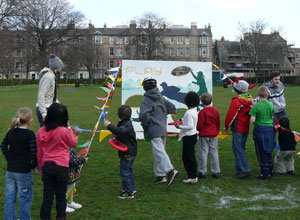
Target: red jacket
{"points": [[208, 123], [238, 117], [52, 146]]}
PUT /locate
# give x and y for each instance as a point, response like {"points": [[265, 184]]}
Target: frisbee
{"points": [[117, 144]]}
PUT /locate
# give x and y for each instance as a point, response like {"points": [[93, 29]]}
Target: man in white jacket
{"points": [[47, 87]]}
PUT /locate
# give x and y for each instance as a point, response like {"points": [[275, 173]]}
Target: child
{"points": [[209, 127], [153, 115], [188, 134], [238, 119], [53, 140], [262, 115], [124, 131], [284, 158], [73, 175], [21, 158]]}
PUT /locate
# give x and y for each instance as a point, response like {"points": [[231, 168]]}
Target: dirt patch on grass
{"points": [[69, 88]]}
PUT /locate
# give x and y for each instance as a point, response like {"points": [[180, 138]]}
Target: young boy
{"points": [[238, 119], [284, 158], [124, 131], [209, 127], [188, 134], [262, 116], [153, 115]]}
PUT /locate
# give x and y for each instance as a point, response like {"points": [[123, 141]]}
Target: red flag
{"points": [[84, 151]]}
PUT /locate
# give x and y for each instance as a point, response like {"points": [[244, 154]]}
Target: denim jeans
{"points": [[21, 184], [39, 116], [126, 173], [55, 182], [264, 142], [238, 148]]}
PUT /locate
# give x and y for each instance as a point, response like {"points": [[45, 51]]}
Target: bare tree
{"points": [[149, 37], [7, 12], [49, 23], [259, 48]]}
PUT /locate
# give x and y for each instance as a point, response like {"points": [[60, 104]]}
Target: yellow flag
{"points": [[112, 78], [103, 134], [119, 80], [222, 136]]}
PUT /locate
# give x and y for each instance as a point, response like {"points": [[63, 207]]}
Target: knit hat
{"points": [[241, 86], [55, 62]]}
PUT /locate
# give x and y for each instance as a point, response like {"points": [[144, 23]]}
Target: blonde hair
{"points": [[23, 115], [263, 92]]}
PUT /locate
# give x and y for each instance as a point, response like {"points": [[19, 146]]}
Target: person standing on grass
{"points": [[188, 134], [238, 119], [53, 142], [19, 150], [153, 115], [262, 116], [124, 132], [284, 158], [209, 127]]}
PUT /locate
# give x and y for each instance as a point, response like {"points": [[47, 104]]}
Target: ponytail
{"points": [[23, 115]]}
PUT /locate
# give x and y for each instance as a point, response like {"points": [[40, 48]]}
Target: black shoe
{"points": [[215, 175], [171, 176], [202, 176], [291, 172], [160, 179], [243, 175], [263, 177]]}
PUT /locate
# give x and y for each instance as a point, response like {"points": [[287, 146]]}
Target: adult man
{"points": [[47, 87], [276, 94]]}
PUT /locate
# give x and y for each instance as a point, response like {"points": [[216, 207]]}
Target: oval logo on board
{"points": [[181, 71]]}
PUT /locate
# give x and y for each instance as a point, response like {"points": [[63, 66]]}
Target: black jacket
{"points": [[124, 132], [286, 140]]}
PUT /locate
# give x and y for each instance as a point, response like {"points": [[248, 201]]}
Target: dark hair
{"points": [[274, 73], [284, 122], [124, 112], [192, 99], [57, 115], [206, 98]]}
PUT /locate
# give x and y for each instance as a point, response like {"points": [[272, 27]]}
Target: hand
{"points": [[225, 131], [177, 125], [106, 122], [86, 159], [44, 118]]}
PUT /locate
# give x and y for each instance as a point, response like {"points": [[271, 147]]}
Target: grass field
{"points": [[223, 198]]}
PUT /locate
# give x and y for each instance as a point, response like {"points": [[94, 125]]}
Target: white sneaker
{"points": [[68, 209], [190, 180], [74, 205]]}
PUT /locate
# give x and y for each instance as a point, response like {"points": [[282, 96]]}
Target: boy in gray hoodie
{"points": [[153, 115]]}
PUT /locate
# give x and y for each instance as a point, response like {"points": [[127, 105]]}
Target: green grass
{"points": [[225, 198]]}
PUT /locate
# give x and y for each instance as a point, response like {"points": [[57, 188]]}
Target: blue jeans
{"points": [[238, 148], [264, 142], [126, 173], [39, 116], [21, 184]]}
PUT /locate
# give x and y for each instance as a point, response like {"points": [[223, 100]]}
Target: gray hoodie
{"points": [[276, 96], [153, 113]]}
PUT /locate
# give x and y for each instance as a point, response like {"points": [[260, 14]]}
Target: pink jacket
{"points": [[52, 146]]}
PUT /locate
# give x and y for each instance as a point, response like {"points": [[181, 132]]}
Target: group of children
{"points": [[53, 148]]}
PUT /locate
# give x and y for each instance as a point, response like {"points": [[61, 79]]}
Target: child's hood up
{"points": [[153, 94]]}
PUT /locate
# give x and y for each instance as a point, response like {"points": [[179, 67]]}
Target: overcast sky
{"points": [[223, 15]]}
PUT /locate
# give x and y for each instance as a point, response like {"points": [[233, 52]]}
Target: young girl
{"points": [[262, 116], [188, 134], [53, 155], [73, 175], [21, 158]]}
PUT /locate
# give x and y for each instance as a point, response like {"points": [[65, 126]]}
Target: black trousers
{"points": [[55, 182], [188, 155]]}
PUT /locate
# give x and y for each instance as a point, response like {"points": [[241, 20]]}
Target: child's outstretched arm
{"points": [[122, 130]]}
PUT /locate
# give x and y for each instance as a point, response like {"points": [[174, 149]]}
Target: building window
{"points": [[111, 40], [119, 52], [187, 52], [126, 40], [203, 40], [98, 40], [203, 52], [18, 65], [172, 52], [179, 40], [119, 40], [111, 63], [17, 76], [171, 40], [18, 53], [180, 52], [187, 40], [111, 51]]}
